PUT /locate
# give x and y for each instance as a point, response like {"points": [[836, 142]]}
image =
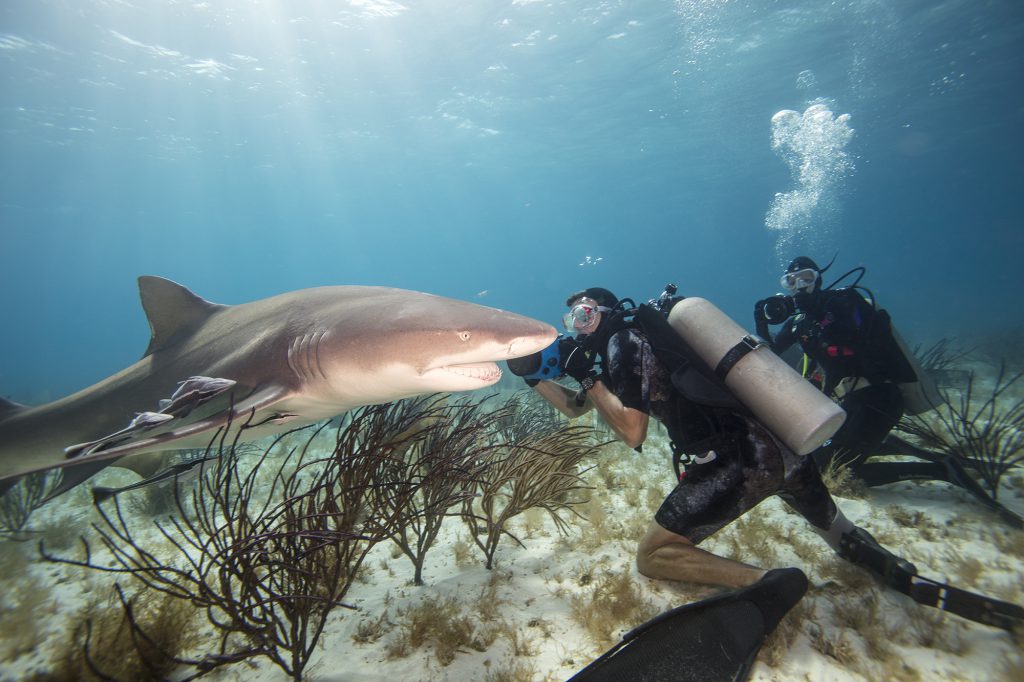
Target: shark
{"points": [[271, 365]]}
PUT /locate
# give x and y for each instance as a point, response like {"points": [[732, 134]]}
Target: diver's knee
{"points": [[654, 544], [644, 565], [649, 557]]}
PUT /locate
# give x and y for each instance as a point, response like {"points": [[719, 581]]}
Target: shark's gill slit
{"points": [[316, 353]]}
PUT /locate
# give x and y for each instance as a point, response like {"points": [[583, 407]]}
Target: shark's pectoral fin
{"points": [[144, 465], [74, 476], [168, 434]]}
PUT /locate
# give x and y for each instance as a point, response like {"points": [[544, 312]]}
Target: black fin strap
{"points": [[969, 605], [737, 353], [901, 575], [894, 571]]}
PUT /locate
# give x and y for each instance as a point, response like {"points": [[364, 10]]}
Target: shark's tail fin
{"points": [[9, 408]]}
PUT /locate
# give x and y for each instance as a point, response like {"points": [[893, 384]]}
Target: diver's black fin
{"points": [[894, 445], [859, 547], [714, 640], [952, 471]]}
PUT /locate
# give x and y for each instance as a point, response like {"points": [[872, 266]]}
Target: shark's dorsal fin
{"points": [[170, 307]]}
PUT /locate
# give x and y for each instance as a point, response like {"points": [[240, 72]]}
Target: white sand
{"points": [[534, 588]]}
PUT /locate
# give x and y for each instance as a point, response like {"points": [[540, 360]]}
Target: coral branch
{"points": [[986, 433]]}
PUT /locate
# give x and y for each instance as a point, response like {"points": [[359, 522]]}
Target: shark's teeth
{"points": [[483, 372]]}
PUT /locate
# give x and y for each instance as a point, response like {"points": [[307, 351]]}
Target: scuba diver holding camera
{"points": [[852, 353], [620, 376], [632, 363]]}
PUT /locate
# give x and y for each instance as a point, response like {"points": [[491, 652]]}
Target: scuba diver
{"points": [[632, 364], [853, 355]]}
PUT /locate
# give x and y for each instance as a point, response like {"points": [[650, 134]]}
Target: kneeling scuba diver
{"points": [[698, 344], [855, 355]]}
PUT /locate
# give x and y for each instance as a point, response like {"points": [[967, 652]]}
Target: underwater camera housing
{"points": [[778, 308], [545, 364]]}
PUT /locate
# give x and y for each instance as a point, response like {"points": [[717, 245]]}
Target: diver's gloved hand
{"points": [[577, 362], [761, 320], [759, 315]]}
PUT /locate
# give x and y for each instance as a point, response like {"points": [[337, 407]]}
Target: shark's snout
{"points": [[532, 343], [474, 366]]}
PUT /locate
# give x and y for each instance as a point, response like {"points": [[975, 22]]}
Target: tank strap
{"points": [[748, 343]]}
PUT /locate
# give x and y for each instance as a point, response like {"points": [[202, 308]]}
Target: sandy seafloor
{"points": [[848, 627]]}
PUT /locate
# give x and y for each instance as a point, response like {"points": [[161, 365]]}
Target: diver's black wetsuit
{"points": [[749, 464], [849, 341]]}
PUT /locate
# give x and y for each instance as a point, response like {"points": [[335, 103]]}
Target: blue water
{"points": [[485, 150]]}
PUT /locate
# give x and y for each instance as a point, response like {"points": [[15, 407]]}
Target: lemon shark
{"points": [[271, 365]]}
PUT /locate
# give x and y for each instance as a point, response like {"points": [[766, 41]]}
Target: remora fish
{"points": [[279, 362]]}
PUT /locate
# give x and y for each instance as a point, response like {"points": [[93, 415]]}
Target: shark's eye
{"points": [[464, 336]]}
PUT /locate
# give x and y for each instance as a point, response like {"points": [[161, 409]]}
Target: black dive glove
{"points": [[761, 320], [577, 362], [774, 309], [759, 310]]}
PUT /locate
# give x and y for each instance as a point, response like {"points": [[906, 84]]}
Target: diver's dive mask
{"points": [[801, 281], [581, 315]]}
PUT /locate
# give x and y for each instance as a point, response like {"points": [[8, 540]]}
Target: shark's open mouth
{"points": [[484, 371]]}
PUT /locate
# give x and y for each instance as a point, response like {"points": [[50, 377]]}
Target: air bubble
{"points": [[813, 145]]}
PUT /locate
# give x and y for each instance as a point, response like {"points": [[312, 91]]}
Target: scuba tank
{"points": [[918, 389], [921, 394], [789, 406]]}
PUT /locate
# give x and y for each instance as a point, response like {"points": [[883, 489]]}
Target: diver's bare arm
{"points": [[563, 399], [629, 424]]}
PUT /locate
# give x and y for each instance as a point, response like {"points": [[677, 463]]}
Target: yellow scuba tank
{"points": [[789, 406]]}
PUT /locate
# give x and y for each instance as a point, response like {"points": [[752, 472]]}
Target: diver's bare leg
{"points": [[664, 555]]}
